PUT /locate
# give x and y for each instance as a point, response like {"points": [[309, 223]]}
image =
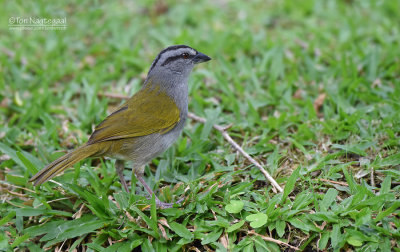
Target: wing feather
{"points": [[148, 111]]}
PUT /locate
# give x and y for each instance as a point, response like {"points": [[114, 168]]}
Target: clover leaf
{"points": [[235, 206], [257, 220]]}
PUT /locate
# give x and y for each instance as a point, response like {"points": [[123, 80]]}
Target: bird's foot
{"points": [[164, 205], [159, 203]]}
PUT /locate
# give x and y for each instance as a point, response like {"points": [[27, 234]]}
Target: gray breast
{"points": [[148, 147]]}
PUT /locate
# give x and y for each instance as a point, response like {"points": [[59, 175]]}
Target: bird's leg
{"points": [[159, 203], [119, 166]]}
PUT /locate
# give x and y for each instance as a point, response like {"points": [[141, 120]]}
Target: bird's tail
{"points": [[63, 163]]}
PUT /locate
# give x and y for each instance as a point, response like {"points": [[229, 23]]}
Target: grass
{"points": [[312, 91]]}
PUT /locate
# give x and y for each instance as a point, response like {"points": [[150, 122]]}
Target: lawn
{"points": [[310, 90]]}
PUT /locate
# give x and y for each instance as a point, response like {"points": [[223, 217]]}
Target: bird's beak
{"points": [[200, 57]]}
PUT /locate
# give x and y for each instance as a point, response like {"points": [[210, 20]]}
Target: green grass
{"points": [[312, 90]]}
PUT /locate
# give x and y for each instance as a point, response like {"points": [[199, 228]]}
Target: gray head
{"points": [[177, 60], [170, 71]]}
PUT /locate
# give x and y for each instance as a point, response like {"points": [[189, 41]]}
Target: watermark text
{"points": [[37, 23]]}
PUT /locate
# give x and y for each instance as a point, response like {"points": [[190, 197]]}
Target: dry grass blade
{"points": [[251, 232], [238, 148], [334, 182]]}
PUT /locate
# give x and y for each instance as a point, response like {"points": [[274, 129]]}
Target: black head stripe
{"points": [[173, 58], [171, 48]]}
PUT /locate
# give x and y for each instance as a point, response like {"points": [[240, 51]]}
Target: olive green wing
{"points": [[148, 111]]}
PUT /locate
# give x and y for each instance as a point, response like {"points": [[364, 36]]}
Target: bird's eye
{"points": [[185, 55]]}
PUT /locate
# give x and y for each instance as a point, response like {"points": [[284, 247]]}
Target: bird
{"points": [[145, 125]]}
